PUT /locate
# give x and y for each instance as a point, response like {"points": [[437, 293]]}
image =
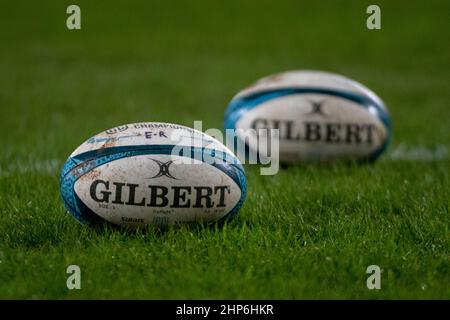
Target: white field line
{"points": [[401, 152], [51, 166], [419, 153]]}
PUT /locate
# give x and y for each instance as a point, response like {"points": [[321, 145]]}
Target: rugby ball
{"points": [[152, 173], [320, 116]]}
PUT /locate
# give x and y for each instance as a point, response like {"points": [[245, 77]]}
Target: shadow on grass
{"points": [[198, 227]]}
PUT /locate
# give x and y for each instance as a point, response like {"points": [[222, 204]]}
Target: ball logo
{"points": [[163, 169], [104, 191], [312, 131], [317, 108], [116, 129]]}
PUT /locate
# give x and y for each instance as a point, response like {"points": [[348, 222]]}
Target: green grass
{"points": [[308, 232]]}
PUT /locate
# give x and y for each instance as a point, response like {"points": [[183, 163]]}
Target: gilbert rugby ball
{"points": [[320, 116], [152, 173]]}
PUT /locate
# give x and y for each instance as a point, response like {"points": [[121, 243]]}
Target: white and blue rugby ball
{"points": [[320, 117], [152, 173]]}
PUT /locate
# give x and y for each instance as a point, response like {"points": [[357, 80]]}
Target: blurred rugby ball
{"points": [[321, 116], [152, 173]]}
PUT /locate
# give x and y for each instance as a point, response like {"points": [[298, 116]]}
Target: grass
{"points": [[308, 232]]}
